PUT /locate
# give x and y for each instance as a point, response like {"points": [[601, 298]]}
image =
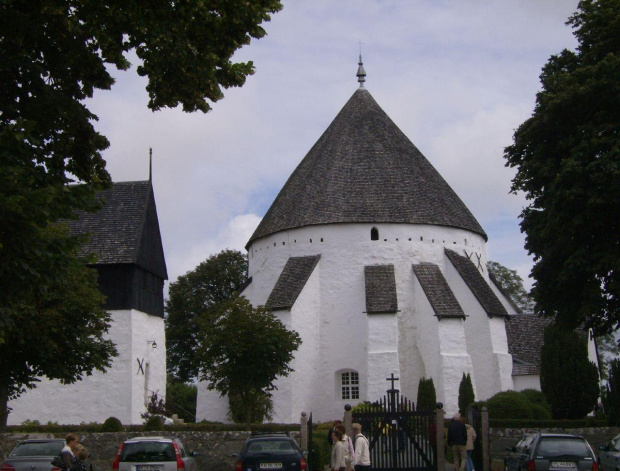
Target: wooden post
{"points": [[486, 457], [303, 432], [441, 455]]}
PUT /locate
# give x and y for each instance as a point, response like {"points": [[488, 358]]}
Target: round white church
{"points": [[379, 266]]}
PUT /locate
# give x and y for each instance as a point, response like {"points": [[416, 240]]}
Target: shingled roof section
{"points": [[380, 289], [117, 231], [291, 281], [438, 292], [363, 169], [525, 334], [482, 291]]}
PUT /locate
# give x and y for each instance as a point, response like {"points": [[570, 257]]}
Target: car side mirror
{"points": [[235, 455], [194, 453]]}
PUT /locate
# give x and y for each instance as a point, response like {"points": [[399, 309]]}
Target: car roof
{"points": [[560, 435], [42, 440]]}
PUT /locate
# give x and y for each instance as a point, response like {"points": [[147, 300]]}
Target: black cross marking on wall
{"points": [[140, 366], [392, 379], [480, 263], [479, 257]]}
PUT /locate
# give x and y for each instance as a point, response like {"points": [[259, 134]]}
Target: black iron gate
{"points": [[311, 465], [399, 437]]}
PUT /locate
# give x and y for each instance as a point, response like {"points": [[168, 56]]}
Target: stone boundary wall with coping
{"points": [[215, 448]]}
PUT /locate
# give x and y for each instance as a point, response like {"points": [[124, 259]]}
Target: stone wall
{"points": [[215, 448]]}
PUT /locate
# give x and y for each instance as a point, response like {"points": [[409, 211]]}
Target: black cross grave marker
{"points": [[392, 379]]}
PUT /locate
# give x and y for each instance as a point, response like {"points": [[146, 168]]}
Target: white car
{"points": [[154, 454]]}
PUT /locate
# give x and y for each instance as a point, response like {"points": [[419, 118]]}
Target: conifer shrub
{"points": [[112, 424], [466, 394], [427, 396]]}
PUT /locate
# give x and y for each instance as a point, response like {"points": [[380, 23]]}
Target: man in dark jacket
{"points": [[457, 439]]}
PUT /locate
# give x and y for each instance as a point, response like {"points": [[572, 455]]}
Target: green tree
{"points": [[243, 351], [567, 377], [181, 399], [427, 396], [607, 348], [58, 333], [54, 56], [611, 398], [512, 284], [567, 159], [466, 394], [198, 295]]}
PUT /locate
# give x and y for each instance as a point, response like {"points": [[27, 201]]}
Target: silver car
{"points": [[609, 455], [33, 455], [154, 454]]}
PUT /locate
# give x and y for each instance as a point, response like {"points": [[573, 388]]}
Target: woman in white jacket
{"points": [[338, 462]]}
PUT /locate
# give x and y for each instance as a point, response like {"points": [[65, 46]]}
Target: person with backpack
{"points": [[362, 450]]}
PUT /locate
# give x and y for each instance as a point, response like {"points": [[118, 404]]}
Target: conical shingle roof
{"points": [[363, 169]]}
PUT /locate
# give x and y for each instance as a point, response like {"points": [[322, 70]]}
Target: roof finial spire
{"points": [[361, 73], [150, 163]]}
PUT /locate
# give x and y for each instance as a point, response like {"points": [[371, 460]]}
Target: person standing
{"points": [[471, 438], [362, 450], [66, 455], [457, 439], [337, 463], [331, 431], [349, 454]]}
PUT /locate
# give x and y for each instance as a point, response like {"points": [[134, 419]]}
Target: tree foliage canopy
{"points": [[568, 379], [55, 54], [58, 333], [567, 157], [244, 351], [512, 284], [198, 295]]}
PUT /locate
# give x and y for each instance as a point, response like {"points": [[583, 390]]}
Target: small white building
{"points": [[132, 269], [374, 260]]}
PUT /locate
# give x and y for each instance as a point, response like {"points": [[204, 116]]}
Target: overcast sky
{"points": [[457, 77]]}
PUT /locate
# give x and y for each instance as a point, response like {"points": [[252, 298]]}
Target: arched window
{"points": [[374, 234], [350, 385]]}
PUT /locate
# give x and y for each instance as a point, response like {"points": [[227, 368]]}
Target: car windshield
{"points": [[271, 446], [140, 452], [38, 449], [558, 446]]}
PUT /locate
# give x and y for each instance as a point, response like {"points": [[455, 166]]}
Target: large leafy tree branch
{"points": [[567, 157], [244, 351], [54, 55], [198, 295]]}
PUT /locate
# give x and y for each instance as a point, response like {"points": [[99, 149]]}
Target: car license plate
{"points": [[563, 464], [149, 467], [270, 465]]}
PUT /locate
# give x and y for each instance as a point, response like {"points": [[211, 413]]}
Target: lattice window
{"points": [[350, 385]]}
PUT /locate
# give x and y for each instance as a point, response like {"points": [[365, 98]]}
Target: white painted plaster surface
{"points": [[526, 382], [119, 392], [330, 315]]}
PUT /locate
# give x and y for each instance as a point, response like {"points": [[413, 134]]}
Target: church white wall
{"points": [[526, 382], [347, 334], [210, 405], [103, 395]]}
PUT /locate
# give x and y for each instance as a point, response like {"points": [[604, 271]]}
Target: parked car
{"points": [[551, 452], [609, 455], [271, 451], [154, 454], [33, 455]]}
